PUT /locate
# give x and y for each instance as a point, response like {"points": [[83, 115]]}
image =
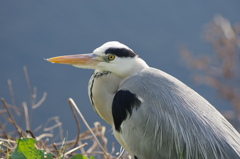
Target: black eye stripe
{"points": [[120, 52]]}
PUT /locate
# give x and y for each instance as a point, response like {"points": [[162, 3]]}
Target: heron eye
{"points": [[111, 57]]}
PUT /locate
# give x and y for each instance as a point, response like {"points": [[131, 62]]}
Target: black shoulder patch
{"points": [[123, 103], [121, 52]]}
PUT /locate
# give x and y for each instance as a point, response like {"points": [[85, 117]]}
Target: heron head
{"points": [[111, 56]]}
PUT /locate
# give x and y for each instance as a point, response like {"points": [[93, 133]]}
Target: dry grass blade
{"points": [[10, 86], [29, 85], [11, 117], [102, 134], [40, 101], [55, 147], [7, 140], [43, 136], [76, 148], [58, 123], [3, 131], [94, 145], [25, 108], [121, 153], [78, 126], [70, 100]]}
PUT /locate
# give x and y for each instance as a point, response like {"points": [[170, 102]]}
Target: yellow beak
{"points": [[80, 60]]}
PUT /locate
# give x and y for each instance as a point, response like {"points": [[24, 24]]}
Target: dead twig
{"points": [[70, 100], [11, 117], [55, 147], [77, 123], [3, 131], [44, 135], [40, 101], [30, 132], [76, 148], [58, 123], [102, 134]]}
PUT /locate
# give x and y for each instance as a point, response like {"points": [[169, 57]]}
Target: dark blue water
{"points": [[33, 30]]}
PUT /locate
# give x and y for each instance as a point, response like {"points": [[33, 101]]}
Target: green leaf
{"points": [[17, 155], [79, 156], [26, 150]]}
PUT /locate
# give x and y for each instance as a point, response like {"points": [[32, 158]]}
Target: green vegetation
{"points": [[26, 149]]}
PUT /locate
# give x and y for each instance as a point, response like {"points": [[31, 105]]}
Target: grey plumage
{"points": [[153, 114], [173, 120]]}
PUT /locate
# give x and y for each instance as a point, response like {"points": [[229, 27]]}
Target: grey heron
{"points": [[153, 114]]}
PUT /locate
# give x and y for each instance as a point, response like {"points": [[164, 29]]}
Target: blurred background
{"points": [[161, 32]]}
